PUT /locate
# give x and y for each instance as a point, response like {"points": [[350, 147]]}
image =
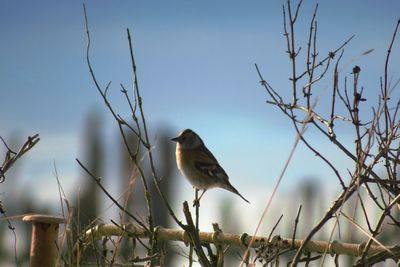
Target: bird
{"points": [[199, 165]]}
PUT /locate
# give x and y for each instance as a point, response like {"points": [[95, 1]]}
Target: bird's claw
{"points": [[196, 203]]}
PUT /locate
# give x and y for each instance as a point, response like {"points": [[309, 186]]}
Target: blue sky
{"points": [[196, 70]]}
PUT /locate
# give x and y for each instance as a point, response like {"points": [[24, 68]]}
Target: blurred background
{"points": [[196, 70]]}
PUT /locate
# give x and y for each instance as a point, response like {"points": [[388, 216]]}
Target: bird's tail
{"points": [[230, 187]]}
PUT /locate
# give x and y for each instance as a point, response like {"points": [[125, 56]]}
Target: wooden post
{"points": [[44, 249]]}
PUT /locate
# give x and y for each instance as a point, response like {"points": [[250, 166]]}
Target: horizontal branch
{"points": [[218, 238]]}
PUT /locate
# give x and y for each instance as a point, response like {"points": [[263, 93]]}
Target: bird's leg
{"points": [[202, 193], [197, 207], [196, 201]]}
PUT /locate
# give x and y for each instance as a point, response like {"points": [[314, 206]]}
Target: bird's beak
{"points": [[176, 139]]}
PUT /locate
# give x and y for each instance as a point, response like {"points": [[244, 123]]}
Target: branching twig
{"points": [[11, 157]]}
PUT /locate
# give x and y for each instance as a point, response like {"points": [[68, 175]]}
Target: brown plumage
{"points": [[199, 165]]}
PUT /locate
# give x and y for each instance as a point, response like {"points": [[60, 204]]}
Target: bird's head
{"points": [[187, 139]]}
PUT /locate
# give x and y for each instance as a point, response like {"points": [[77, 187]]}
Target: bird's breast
{"points": [[185, 160]]}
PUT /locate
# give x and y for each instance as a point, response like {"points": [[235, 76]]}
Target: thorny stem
{"points": [[12, 157], [312, 32], [376, 231], [120, 123], [296, 222], [291, 46], [147, 140], [194, 236], [346, 194], [98, 182], [364, 132], [148, 197]]}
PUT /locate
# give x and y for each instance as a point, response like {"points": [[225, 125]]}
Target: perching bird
{"points": [[199, 165]]}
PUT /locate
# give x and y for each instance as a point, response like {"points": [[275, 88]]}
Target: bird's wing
{"points": [[208, 165]]}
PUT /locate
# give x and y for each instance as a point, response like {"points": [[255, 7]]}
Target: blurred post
{"points": [[44, 250]]}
